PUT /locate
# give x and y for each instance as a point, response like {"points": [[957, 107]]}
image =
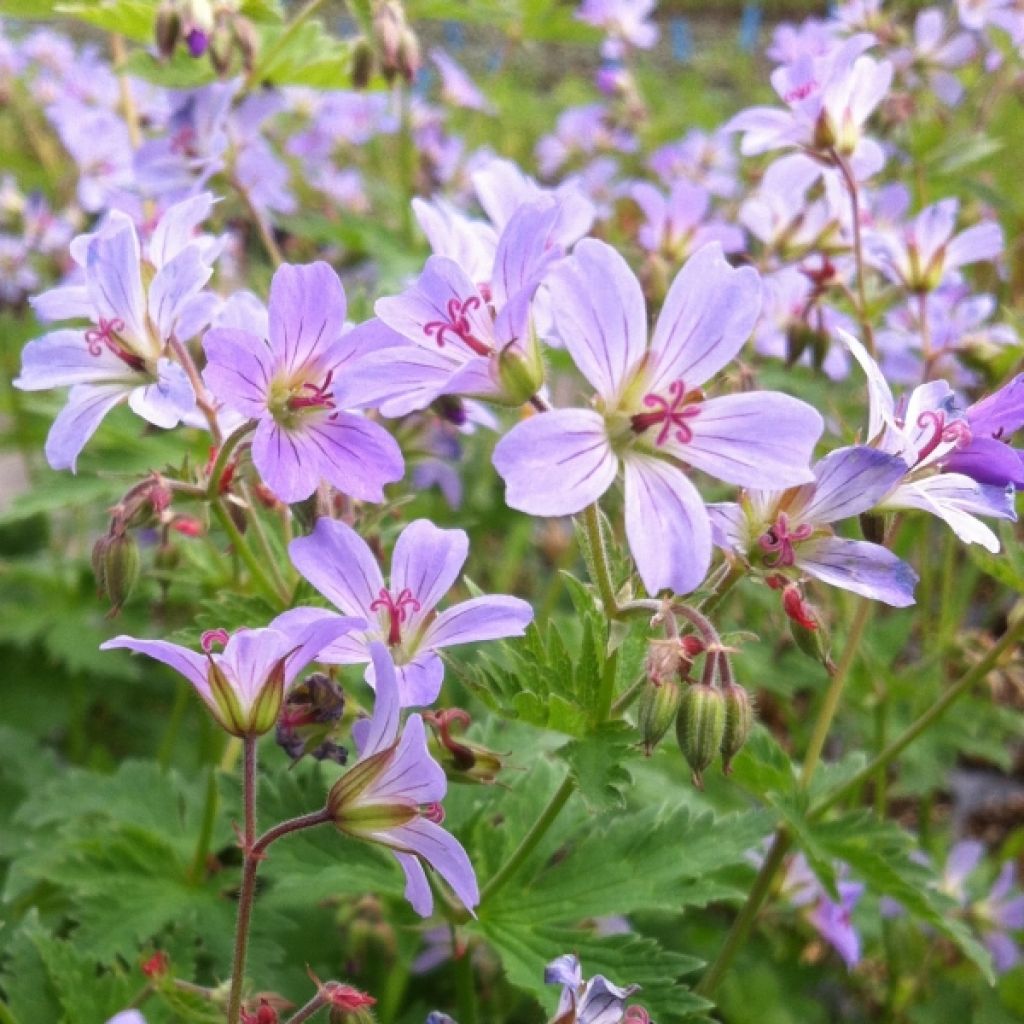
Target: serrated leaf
{"points": [[596, 764]]}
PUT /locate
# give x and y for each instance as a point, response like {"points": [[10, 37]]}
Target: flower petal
{"points": [[667, 526], [556, 463], [239, 369], [480, 618], [859, 566], [355, 454], [191, 664], [166, 401], [113, 277], [78, 420], [175, 284], [444, 854], [427, 561], [417, 888], [380, 730], [307, 312], [850, 481], [61, 358]]}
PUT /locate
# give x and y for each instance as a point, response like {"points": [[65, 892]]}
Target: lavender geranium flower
{"points": [[790, 530], [987, 457], [457, 87], [650, 414], [243, 685], [285, 384], [678, 225], [831, 920], [592, 1001], [927, 429], [392, 795], [125, 354], [401, 612], [998, 915]]}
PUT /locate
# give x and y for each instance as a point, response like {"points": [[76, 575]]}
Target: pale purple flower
{"points": [[623, 20], [127, 1017], [935, 54], [1002, 14], [828, 101], [285, 382], [705, 159], [998, 915], [790, 531], [581, 131], [457, 88], [590, 1001], [402, 611], [831, 920], [651, 416], [392, 796], [926, 253], [926, 429], [243, 685], [678, 225], [987, 457], [124, 355], [811, 37]]}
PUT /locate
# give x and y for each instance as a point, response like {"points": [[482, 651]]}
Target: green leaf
{"points": [[596, 763], [133, 19], [309, 56]]}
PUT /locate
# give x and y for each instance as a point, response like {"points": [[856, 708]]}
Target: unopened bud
{"points": [[520, 371], [872, 525], [260, 1013], [700, 726], [167, 29], [247, 40], [116, 565], [658, 707], [388, 26], [410, 59], [222, 44], [739, 719], [671, 658], [362, 64]]}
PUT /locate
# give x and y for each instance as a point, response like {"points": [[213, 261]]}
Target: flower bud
{"points": [[388, 26], [520, 371], [659, 705], [167, 29], [362, 64], [310, 715], [739, 718], [410, 59], [810, 635], [461, 759], [247, 40], [222, 45], [700, 726], [197, 41], [872, 525], [116, 566]]}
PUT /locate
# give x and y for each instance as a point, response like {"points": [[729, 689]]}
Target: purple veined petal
{"points": [[249, 658], [419, 680], [1002, 412], [307, 312], [850, 481], [480, 618], [310, 642], [442, 293], [763, 128], [474, 379], [168, 399], [564, 970], [288, 460], [556, 463], [600, 314], [78, 420], [667, 526], [832, 921], [411, 774], [760, 439], [988, 461], [65, 302], [603, 1002], [239, 369], [728, 525], [981, 242], [528, 248], [355, 454], [427, 561], [1004, 950], [380, 730], [349, 647], [709, 313], [176, 228], [881, 419], [417, 888], [114, 280], [196, 314], [963, 858], [469, 243], [192, 665], [443, 853], [339, 564], [501, 188], [173, 286], [61, 358], [859, 566]]}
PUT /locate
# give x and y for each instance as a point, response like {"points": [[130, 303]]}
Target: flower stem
{"points": [[529, 842], [197, 870], [465, 990], [858, 250], [602, 570], [318, 1002], [223, 456], [311, 820], [248, 890], [263, 229], [246, 553]]}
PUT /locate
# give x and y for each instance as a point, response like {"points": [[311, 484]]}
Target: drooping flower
{"points": [[243, 685], [125, 355], [287, 383], [650, 414], [401, 612], [392, 795], [591, 1001], [790, 530], [926, 428]]}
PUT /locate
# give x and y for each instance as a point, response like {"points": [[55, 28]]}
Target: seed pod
{"points": [[739, 718], [700, 725], [659, 705], [121, 566]]}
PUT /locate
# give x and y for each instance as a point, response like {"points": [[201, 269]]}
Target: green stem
{"points": [[197, 870], [858, 251], [465, 989], [264, 542], [835, 691], [529, 842], [224, 456], [248, 890], [602, 570], [182, 695], [729, 580], [969, 679], [246, 554]]}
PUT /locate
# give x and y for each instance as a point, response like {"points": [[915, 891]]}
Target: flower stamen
{"points": [[778, 541], [669, 414], [398, 611], [458, 324]]}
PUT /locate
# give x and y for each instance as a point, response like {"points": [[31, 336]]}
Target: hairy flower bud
{"points": [[658, 707], [116, 565], [739, 719], [700, 726], [521, 372]]}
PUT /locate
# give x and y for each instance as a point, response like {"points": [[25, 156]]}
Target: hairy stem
{"points": [[318, 1002], [605, 587], [248, 890], [243, 550], [858, 250]]}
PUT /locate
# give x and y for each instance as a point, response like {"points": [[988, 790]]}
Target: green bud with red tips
{"points": [[739, 720], [700, 726]]}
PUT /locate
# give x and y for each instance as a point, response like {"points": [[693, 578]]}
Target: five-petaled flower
{"points": [[401, 613], [392, 796], [650, 414], [287, 385]]}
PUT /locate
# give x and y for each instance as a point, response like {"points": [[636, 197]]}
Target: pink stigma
{"points": [[213, 637], [105, 336], [319, 396], [958, 432], [433, 812], [800, 92], [779, 540], [458, 324], [668, 414], [636, 1015], [397, 609]]}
